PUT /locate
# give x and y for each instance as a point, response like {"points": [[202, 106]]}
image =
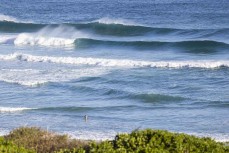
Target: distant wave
{"points": [[95, 27], [7, 18], [68, 109], [12, 26], [30, 83], [66, 35], [73, 109], [125, 63], [197, 46], [158, 98], [109, 27], [72, 38], [28, 39], [13, 109], [145, 97], [48, 36], [107, 20]]}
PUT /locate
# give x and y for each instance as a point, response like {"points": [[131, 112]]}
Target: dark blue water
{"points": [[125, 64]]}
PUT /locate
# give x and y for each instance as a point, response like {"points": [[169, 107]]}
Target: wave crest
{"points": [[13, 109], [29, 39], [7, 18], [158, 98], [107, 20], [126, 63], [48, 36]]}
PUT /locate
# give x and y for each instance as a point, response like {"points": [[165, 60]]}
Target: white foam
{"points": [[125, 63], [49, 36], [13, 109], [5, 39], [34, 77], [4, 132], [217, 137], [110, 135], [29, 39], [7, 18], [92, 135], [107, 20]]}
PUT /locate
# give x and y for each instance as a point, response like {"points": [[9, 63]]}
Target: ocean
{"points": [[126, 64]]}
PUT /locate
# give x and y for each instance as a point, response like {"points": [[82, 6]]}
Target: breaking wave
{"points": [[7, 18], [107, 20], [107, 26], [29, 39], [71, 38], [59, 36], [13, 109], [126, 63], [198, 46], [158, 98]]}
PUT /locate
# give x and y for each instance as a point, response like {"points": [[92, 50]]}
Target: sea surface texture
{"points": [[126, 64]]}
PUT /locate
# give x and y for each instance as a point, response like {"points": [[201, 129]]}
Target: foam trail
{"points": [[34, 77], [13, 109], [92, 135], [216, 137], [49, 36], [4, 132], [125, 63], [110, 135], [107, 20], [7, 18]]}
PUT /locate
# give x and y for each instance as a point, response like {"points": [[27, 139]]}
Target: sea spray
{"points": [[48, 36]]}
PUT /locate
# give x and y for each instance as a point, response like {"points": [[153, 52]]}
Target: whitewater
{"points": [[125, 64]]}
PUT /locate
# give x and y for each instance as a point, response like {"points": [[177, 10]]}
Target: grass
{"points": [[32, 140]]}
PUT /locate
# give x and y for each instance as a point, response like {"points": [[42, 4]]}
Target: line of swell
{"points": [[196, 46], [122, 63], [114, 29], [13, 109], [192, 45], [106, 28], [82, 109]]}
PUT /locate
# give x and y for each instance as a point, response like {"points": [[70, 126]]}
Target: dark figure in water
{"points": [[85, 118]]}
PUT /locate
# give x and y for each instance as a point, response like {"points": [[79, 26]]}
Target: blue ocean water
{"points": [[127, 65]]}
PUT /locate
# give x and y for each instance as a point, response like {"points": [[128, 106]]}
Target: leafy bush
{"points": [[8, 147], [145, 141], [164, 141], [158, 141], [42, 141]]}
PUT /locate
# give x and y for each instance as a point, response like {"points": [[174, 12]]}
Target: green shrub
{"points": [[158, 141], [42, 141], [145, 141], [8, 147]]}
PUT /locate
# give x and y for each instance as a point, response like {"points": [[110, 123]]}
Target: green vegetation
{"points": [[158, 141], [145, 141], [8, 147], [42, 141]]}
